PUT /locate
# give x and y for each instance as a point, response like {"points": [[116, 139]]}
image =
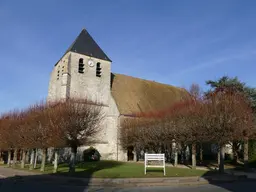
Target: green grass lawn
{"points": [[114, 169]]}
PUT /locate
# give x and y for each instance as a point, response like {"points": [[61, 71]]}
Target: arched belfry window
{"points": [[81, 66], [98, 69]]}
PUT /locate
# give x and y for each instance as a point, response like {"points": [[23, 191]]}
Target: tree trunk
{"points": [[193, 155], [36, 156], [235, 147], [218, 157], [169, 154], [246, 147], [175, 157], [221, 154], [175, 152], [1, 157], [182, 156], [201, 153], [22, 165], [187, 154], [56, 159], [44, 152], [14, 161], [50, 157], [32, 160], [27, 157], [9, 158], [72, 164], [135, 155]]}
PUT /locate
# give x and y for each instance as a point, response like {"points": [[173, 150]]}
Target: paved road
{"points": [[12, 185], [234, 187], [8, 182]]}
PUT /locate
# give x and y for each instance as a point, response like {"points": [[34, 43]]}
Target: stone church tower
{"points": [[84, 71]]}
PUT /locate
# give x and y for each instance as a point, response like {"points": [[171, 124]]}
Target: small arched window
{"points": [[81, 66], [98, 69]]}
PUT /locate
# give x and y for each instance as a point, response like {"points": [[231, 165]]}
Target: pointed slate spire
{"points": [[85, 44]]}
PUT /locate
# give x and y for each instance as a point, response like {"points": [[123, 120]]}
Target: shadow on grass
{"points": [[23, 180], [86, 169]]}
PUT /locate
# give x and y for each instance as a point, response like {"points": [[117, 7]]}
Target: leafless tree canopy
{"points": [[219, 118], [78, 121], [59, 124]]}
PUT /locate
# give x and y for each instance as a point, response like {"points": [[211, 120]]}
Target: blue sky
{"points": [[175, 42]]}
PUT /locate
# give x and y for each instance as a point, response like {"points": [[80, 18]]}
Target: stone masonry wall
{"points": [[88, 85], [65, 81]]}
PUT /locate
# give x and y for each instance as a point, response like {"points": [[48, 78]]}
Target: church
{"points": [[84, 71]]}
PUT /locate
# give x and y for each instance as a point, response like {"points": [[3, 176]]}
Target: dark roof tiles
{"points": [[85, 44]]}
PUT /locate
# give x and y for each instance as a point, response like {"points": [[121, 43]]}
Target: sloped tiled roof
{"points": [[85, 44], [133, 95]]}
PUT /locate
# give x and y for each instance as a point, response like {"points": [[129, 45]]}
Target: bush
{"points": [[91, 154]]}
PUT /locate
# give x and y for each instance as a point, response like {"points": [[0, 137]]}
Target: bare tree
{"points": [[80, 121], [219, 118], [229, 117], [4, 128], [11, 123], [182, 123], [44, 133]]}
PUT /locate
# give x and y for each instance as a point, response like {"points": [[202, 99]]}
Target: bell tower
{"points": [[84, 71]]}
